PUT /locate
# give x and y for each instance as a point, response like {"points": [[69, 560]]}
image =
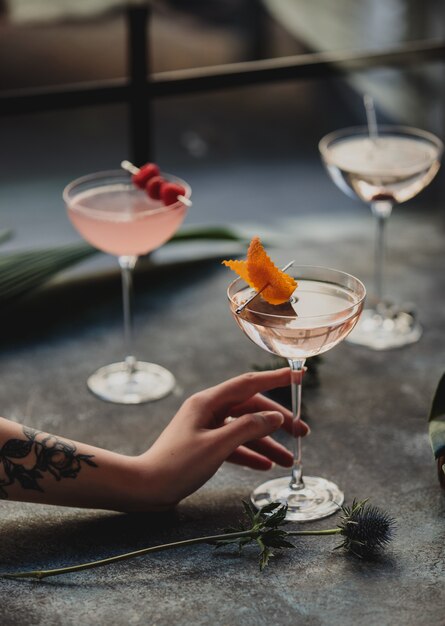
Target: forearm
{"points": [[37, 467]]}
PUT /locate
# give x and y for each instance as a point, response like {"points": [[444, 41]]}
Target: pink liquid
{"points": [[122, 220], [322, 316]]}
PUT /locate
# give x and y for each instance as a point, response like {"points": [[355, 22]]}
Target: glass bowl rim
{"points": [[304, 317], [116, 174], [398, 129]]}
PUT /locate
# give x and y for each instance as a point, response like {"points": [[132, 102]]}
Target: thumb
{"points": [[249, 426]]}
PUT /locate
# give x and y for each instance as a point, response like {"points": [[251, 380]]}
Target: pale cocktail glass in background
{"points": [[117, 217], [383, 169], [323, 310]]}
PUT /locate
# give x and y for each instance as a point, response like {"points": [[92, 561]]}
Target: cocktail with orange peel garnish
{"points": [[295, 314]]}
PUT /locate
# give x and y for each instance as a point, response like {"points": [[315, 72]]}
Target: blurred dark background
{"points": [[249, 153]]}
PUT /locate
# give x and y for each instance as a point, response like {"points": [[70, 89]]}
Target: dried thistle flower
{"points": [[365, 529]]}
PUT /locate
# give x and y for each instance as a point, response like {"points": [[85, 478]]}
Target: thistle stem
{"points": [[328, 531], [366, 529], [39, 574]]}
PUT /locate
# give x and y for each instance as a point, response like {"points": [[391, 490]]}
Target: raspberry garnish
{"points": [[170, 193], [146, 172], [154, 186], [148, 177]]}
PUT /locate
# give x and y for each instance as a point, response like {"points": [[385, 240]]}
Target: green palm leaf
{"points": [[22, 272]]}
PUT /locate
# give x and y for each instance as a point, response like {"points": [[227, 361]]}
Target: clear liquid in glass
{"points": [[384, 168]]}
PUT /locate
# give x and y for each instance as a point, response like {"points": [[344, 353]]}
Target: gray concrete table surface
{"points": [[369, 434]]}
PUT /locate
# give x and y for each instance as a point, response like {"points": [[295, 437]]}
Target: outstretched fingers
{"points": [[221, 398], [250, 458], [261, 403], [272, 450]]}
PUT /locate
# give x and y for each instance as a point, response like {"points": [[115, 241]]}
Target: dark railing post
{"points": [[139, 86], [257, 20]]}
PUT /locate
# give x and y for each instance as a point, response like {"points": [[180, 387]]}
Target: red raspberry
{"points": [[146, 172], [170, 193], [153, 187]]}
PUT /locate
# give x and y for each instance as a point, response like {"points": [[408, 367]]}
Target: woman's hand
{"points": [[230, 421]]}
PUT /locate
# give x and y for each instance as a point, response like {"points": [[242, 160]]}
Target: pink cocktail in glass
{"points": [[117, 217], [322, 311], [123, 220]]}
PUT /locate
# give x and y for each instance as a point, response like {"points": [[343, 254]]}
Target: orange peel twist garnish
{"points": [[260, 273]]}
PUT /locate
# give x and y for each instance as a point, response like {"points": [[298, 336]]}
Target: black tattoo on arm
{"points": [[26, 461]]}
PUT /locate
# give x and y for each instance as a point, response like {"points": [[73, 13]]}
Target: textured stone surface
{"points": [[368, 416], [368, 420]]}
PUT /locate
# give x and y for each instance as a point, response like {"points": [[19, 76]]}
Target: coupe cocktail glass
{"points": [[117, 217], [324, 308], [382, 170]]}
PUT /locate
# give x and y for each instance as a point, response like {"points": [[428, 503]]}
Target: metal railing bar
{"points": [[307, 66], [181, 82], [64, 97]]}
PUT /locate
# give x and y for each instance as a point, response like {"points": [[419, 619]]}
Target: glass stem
{"points": [[127, 264], [381, 209], [296, 376]]}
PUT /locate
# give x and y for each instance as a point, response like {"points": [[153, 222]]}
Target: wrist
{"points": [[144, 489]]}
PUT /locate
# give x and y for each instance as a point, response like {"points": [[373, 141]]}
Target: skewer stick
{"points": [[129, 167], [241, 308], [371, 117]]}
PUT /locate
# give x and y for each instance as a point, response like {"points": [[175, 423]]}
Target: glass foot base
{"points": [[380, 331], [319, 498], [145, 382]]}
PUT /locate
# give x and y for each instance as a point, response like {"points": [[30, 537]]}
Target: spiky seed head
{"points": [[365, 528]]}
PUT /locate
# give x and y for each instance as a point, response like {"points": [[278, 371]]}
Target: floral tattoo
{"points": [[25, 461]]}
